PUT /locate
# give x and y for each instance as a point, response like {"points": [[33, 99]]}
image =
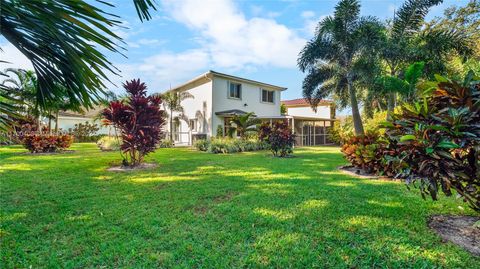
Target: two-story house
{"points": [[217, 97]]}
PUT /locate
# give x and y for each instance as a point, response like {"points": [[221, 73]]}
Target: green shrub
{"points": [[441, 138], [230, 145], [85, 132], [109, 143], [220, 131], [165, 143], [278, 136], [37, 143]]}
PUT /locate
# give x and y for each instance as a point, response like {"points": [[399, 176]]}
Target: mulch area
{"points": [[143, 166], [459, 230], [360, 173]]}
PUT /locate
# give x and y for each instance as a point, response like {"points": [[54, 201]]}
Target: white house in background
{"points": [[68, 119], [217, 97]]}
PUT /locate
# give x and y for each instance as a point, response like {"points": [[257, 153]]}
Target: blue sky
{"points": [[254, 39]]}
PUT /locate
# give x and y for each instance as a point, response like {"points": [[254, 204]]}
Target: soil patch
{"points": [[142, 166], [47, 153], [458, 230], [360, 173]]}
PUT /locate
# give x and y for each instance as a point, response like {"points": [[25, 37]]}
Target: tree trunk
{"points": [[357, 120], [391, 97], [391, 104], [56, 122], [49, 122], [171, 125]]}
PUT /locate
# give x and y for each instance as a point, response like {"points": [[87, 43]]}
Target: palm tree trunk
{"points": [[171, 125], [357, 120], [49, 122], [56, 122], [391, 97]]}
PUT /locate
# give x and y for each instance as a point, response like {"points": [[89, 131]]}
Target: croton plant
{"points": [[139, 120], [440, 138]]}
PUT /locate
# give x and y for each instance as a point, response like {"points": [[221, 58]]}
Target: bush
{"points": [[165, 143], [109, 143], [441, 138], [220, 133], [39, 143], [279, 137], [230, 145], [201, 144], [85, 132], [139, 119], [362, 152]]}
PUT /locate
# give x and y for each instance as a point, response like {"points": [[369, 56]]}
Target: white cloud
{"points": [[234, 41], [307, 14], [165, 69], [14, 57]]}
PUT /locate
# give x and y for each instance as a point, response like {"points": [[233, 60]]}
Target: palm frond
{"points": [[143, 8], [63, 39], [313, 86], [410, 17]]}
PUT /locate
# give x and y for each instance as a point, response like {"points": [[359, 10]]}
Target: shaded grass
{"points": [[203, 210]]}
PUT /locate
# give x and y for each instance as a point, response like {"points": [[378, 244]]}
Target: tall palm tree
{"points": [[64, 41], [337, 58], [173, 101], [408, 41], [245, 124]]}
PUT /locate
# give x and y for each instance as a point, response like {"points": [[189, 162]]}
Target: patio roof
{"points": [[231, 112]]}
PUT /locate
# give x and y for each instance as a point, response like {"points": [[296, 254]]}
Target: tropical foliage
{"points": [[441, 137], [139, 121], [340, 55], [230, 145], [173, 101], [279, 136], [244, 125], [85, 132], [109, 143], [42, 143]]}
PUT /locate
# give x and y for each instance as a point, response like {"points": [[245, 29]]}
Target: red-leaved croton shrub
{"points": [[139, 120], [279, 136], [440, 139], [40, 143]]}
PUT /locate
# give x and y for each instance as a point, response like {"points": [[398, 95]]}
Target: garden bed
{"points": [[361, 173], [143, 166], [459, 230]]}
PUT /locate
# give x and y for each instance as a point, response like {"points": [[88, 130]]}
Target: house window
{"points": [[193, 124], [235, 90], [267, 96]]}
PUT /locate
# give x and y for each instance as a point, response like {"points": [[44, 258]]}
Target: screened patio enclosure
{"points": [[308, 131]]}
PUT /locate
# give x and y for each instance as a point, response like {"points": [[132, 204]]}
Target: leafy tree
{"points": [[173, 101], [140, 121], [464, 19], [340, 55], [64, 41], [407, 42], [244, 124]]}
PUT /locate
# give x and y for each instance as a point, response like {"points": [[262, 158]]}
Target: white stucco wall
{"points": [[199, 107], [251, 96], [307, 111], [64, 123]]}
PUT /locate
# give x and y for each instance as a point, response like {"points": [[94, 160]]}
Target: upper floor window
{"points": [[268, 96], [235, 90]]}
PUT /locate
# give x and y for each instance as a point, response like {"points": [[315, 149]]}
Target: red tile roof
{"points": [[303, 102]]}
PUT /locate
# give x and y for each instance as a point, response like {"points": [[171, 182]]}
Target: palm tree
{"points": [[339, 55], [64, 41], [408, 41], [173, 101], [244, 124]]}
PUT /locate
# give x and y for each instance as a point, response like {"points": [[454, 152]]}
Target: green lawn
{"points": [[212, 211]]}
